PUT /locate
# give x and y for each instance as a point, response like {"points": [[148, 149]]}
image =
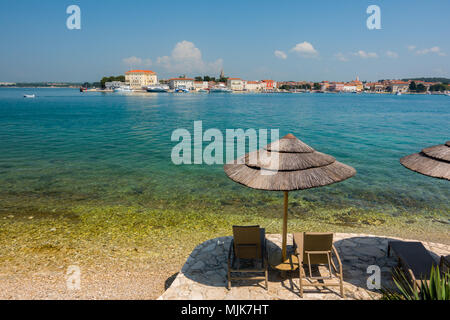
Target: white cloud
{"points": [[412, 48], [136, 62], [341, 57], [366, 55], [392, 54], [305, 49], [280, 54], [435, 50], [187, 58]]}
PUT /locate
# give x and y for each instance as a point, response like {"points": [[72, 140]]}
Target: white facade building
{"points": [[182, 83], [201, 85], [138, 79], [349, 87], [235, 84], [253, 86]]}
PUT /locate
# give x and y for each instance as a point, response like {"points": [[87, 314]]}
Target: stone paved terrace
{"points": [[204, 275]]}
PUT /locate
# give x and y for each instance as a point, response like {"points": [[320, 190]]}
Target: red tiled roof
{"points": [[189, 79], [140, 71]]}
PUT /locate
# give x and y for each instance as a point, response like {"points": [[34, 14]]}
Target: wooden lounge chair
{"points": [[414, 259], [317, 249], [248, 254]]}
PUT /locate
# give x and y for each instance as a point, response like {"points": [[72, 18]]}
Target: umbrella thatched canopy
{"points": [[432, 161], [286, 165]]}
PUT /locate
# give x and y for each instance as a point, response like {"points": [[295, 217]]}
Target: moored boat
{"points": [[158, 88], [123, 89], [29, 96], [220, 89]]}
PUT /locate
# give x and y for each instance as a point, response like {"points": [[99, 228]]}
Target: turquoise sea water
{"points": [[93, 148]]}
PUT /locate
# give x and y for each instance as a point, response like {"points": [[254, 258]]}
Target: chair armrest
{"points": [[298, 244], [337, 257]]}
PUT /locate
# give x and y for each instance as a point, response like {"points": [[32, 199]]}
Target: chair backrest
{"points": [[317, 242], [247, 242]]}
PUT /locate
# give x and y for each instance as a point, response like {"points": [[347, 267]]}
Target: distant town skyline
{"points": [[290, 40]]}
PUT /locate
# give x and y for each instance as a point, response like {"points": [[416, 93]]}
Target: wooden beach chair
{"points": [[248, 254], [414, 259], [317, 249]]}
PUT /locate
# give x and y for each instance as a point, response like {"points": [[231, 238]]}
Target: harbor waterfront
{"points": [[87, 178]]}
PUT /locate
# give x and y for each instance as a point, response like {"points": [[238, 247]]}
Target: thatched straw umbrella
{"points": [[432, 161], [297, 167]]}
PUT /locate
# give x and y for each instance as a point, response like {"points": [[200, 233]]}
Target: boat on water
{"points": [[181, 90], [220, 89], [29, 96], [158, 88], [123, 89], [82, 89], [398, 93]]}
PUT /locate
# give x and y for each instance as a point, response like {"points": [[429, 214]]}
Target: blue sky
{"points": [[249, 39]]}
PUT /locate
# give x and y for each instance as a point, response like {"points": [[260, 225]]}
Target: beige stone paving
{"points": [[205, 272]]}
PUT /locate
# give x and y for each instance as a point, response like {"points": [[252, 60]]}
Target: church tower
{"points": [[222, 74]]}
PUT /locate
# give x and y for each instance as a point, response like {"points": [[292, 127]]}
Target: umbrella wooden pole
{"points": [[285, 218]]}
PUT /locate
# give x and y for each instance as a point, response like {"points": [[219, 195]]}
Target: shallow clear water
{"points": [[81, 148]]}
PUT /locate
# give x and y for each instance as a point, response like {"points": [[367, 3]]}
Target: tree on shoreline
{"points": [[110, 79]]}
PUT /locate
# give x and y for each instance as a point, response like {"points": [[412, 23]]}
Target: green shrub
{"points": [[438, 288]]}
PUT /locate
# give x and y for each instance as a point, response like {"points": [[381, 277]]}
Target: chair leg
{"points": [[229, 280], [267, 282], [300, 282], [342, 285]]}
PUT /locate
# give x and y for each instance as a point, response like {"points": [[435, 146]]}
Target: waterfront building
{"points": [[201, 85], [324, 86], [7, 84], [336, 86], [375, 86], [350, 87], [399, 86], [268, 85], [138, 79], [235, 84], [253, 86], [359, 85], [181, 83]]}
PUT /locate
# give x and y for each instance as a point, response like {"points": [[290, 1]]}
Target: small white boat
{"points": [[398, 93], [158, 88], [29, 96], [220, 89], [123, 89]]}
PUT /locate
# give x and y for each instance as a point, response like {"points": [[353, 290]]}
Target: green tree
{"points": [[438, 87], [412, 86], [421, 88], [317, 86], [199, 78], [112, 78]]}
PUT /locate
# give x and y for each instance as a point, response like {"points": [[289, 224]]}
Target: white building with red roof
{"points": [[138, 79], [182, 83], [235, 84]]}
